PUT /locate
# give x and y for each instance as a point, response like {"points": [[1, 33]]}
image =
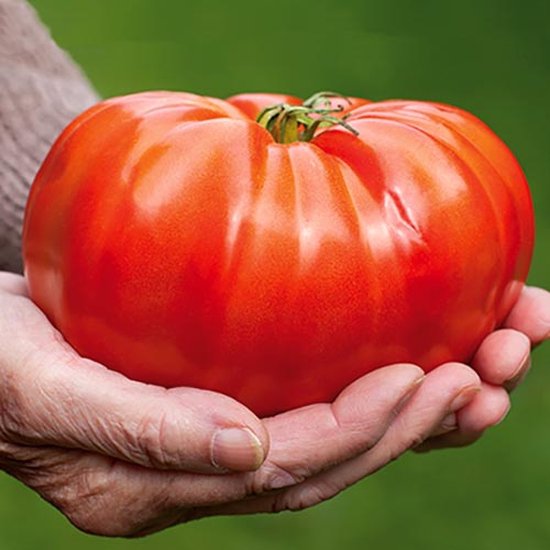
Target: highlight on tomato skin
{"points": [[178, 240]]}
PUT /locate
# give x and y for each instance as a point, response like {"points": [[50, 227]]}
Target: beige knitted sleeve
{"points": [[41, 90]]}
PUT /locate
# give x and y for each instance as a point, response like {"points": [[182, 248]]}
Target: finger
{"points": [[311, 439], [503, 358], [82, 405], [446, 389], [51, 396], [486, 410], [531, 314], [12, 283]]}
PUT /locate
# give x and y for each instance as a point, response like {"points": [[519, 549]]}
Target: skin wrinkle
{"points": [[26, 421], [12, 401], [154, 441]]}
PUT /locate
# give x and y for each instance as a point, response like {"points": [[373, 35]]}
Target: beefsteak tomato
{"points": [[172, 238]]}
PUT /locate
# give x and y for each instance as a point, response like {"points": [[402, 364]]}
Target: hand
{"points": [[502, 361], [118, 457]]}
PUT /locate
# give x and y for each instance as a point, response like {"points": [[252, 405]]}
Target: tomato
{"points": [[170, 237]]}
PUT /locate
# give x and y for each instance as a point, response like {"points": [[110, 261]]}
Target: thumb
{"points": [[51, 396], [80, 404]]}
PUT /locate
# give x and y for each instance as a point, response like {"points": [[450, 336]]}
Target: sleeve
{"points": [[41, 90]]}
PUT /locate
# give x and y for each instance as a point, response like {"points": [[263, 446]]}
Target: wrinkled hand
{"points": [[119, 457]]}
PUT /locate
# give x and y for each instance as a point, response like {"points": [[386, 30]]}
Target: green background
{"points": [[488, 57]]}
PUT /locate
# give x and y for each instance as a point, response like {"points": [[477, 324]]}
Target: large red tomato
{"points": [[172, 238]]}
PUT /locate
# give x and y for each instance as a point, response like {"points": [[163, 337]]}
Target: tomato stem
{"points": [[289, 123]]}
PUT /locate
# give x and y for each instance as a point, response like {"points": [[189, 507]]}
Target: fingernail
{"points": [[504, 415], [464, 397], [519, 374], [237, 449], [281, 481], [448, 424], [410, 392]]}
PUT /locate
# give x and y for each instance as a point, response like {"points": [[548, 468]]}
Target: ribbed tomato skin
{"points": [[170, 238]]}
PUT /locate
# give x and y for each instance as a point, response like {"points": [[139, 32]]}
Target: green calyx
{"points": [[289, 123]]}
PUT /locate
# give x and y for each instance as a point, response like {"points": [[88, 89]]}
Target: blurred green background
{"points": [[490, 57]]}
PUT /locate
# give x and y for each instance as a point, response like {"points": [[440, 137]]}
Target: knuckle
{"points": [[155, 440]]}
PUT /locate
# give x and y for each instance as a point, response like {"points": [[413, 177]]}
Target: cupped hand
{"points": [[502, 361], [430, 419], [119, 457]]}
